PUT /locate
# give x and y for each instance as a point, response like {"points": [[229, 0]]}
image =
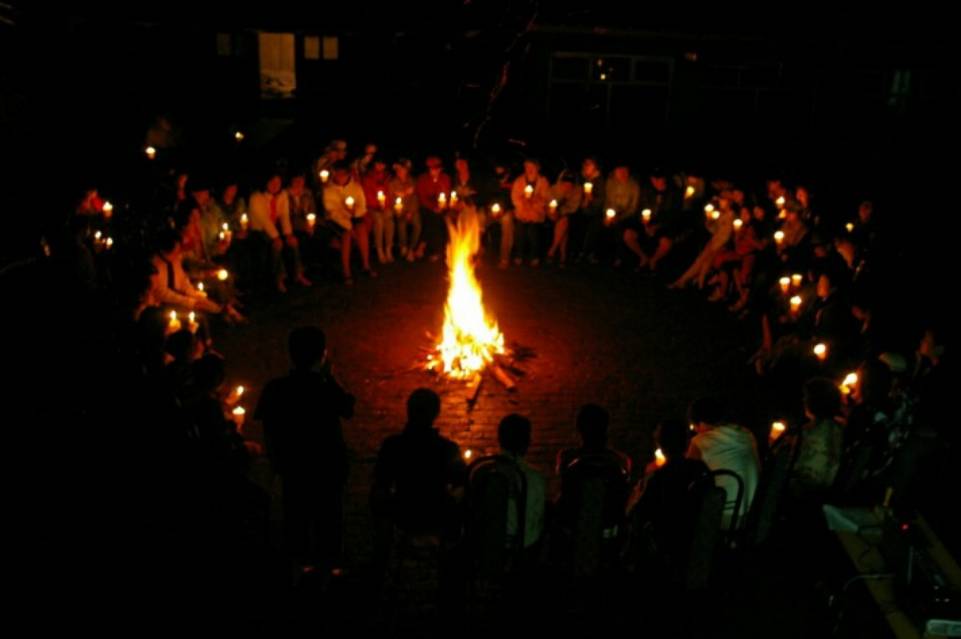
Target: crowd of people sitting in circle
{"points": [[854, 410]]}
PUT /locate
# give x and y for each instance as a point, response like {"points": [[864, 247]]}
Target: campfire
{"points": [[470, 340]]}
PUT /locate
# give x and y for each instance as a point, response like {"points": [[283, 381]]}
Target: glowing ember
{"points": [[470, 339]]}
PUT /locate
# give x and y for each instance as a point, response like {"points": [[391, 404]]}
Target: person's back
{"points": [[420, 465], [725, 446], [416, 470], [301, 414]]}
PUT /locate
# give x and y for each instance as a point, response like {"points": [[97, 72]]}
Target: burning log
{"points": [[506, 380]]}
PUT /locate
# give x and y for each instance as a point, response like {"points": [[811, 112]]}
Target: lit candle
{"points": [[821, 351], [239, 136], [97, 235], [708, 210], [588, 188], [200, 287], [659, 458], [239, 414], [223, 236], [399, 205], [796, 304], [107, 210], [496, 209], [782, 214], [225, 227], [553, 206], [311, 220], [716, 215], [381, 198], [780, 202], [468, 454], [453, 198], [850, 381], [797, 279], [850, 227], [689, 192], [646, 214], [777, 429], [324, 176], [174, 324], [192, 322], [239, 392], [611, 214], [222, 275], [108, 242], [244, 221], [738, 224], [785, 283], [349, 202], [528, 191], [151, 152], [779, 237], [442, 200]]}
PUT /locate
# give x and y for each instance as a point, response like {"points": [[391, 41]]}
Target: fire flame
{"points": [[470, 338]]}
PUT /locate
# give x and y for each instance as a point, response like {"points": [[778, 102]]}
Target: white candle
{"points": [[777, 429], [689, 192], [796, 304], [222, 275], [496, 209], [239, 136], [821, 352], [780, 202], [779, 237], [588, 188], [453, 198], [850, 227], [716, 215], [324, 176], [785, 283], [738, 224], [646, 214], [151, 152], [442, 200], [553, 206], [107, 210], [108, 242], [244, 221], [349, 202], [381, 198], [659, 458], [797, 279], [611, 214], [311, 220], [528, 191], [399, 205]]}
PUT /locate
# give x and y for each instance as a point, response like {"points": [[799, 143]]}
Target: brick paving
{"points": [[615, 338]]}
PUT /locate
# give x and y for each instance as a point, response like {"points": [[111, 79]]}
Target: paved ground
{"points": [[597, 335]]}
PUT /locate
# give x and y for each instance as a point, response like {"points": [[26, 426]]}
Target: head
{"points": [[379, 166], [803, 196], [182, 346], [671, 437], [169, 244], [706, 413], [230, 192], [423, 407], [514, 434], [659, 182], [622, 173], [874, 384], [589, 168], [182, 181], [822, 399], [759, 213], [274, 184], [297, 184], [337, 150], [434, 166], [209, 373], [307, 346], [745, 215], [592, 422], [461, 166], [340, 173], [931, 345], [370, 149], [866, 211], [402, 169], [532, 169]]}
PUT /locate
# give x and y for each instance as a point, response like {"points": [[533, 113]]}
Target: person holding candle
{"points": [[301, 415], [211, 221], [406, 212], [622, 193], [376, 187], [346, 207], [419, 479], [589, 221], [664, 500], [724, 445], [270, 221], [819, 442], [568, 195], [234, 207], [335, 152], [430, 186], [721, 231], [530, 195]]}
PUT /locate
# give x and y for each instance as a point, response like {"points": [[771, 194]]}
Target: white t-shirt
{"points": [[731, 447]]}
